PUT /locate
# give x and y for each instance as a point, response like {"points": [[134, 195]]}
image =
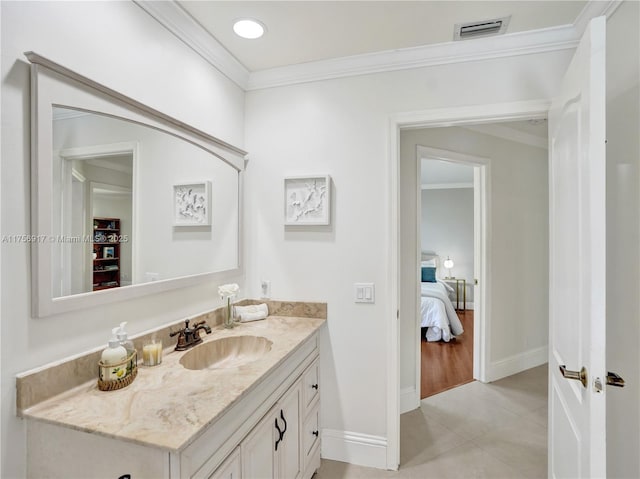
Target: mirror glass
{"points": [[134, 204]]}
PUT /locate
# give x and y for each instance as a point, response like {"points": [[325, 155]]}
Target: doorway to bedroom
{"points": [[506, 288], [511, 296], [446, 238]]}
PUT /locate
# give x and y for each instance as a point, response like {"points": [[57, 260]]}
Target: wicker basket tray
{"points": [[129, 368]]}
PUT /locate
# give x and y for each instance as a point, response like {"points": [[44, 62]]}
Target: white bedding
{"points": [[437, 313]]}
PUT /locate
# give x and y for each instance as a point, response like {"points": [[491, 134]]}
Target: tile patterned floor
{"points": [[496, 430]]}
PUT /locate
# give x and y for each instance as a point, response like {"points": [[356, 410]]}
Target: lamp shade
{"points": [[448, 263]]}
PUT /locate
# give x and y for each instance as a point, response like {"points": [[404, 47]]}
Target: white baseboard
{"points": [[354, 448], [409, 399], [517, 363]]}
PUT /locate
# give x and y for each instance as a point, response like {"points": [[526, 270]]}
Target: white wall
{"points": [[117, 44], [517, 240], [446, 228], [623, 240], [341, 127]]}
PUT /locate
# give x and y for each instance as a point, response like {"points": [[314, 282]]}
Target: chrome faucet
{"points": [[190, 336]]}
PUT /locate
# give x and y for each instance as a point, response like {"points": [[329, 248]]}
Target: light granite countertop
{"points": [[168, 406]]}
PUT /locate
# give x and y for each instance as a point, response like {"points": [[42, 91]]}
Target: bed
{"points": [[437, 313]]}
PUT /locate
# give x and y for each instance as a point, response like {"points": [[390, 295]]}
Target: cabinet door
{"points": [[230, 468], [258, 449], [289, 459]]}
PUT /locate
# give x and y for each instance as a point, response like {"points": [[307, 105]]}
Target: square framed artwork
{"points": [[307, 200], [108, 252], [192, 204]]}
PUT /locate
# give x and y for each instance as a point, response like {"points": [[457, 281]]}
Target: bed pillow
{"points": [[428, 262], [428, 274]]}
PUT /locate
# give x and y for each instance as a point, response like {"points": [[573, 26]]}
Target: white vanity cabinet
{"points": [[279, 409], [285, 444], [272, 449], [276, 421]]}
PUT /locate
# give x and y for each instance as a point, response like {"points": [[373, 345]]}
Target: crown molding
{"points": [[523, 43], [175, 19]]}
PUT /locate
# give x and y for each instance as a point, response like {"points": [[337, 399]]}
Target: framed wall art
{"points": [[307, 200], [192, 204]]}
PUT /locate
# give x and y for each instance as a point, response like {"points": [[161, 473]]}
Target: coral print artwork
{"points": [[191, 203], [307, 200]]}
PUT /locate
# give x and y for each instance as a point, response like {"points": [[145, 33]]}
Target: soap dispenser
{"points": [[114, 355], [125, 342]]}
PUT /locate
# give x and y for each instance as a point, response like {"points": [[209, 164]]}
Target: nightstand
{"points": [[460, 287]]}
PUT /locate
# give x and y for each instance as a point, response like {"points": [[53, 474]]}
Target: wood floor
{"points": [[447, 365]]}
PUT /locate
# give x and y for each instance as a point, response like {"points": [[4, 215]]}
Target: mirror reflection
{"points": [[133, 204]]}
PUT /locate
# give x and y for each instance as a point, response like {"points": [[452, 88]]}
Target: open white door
{"points": [[577, 409]]}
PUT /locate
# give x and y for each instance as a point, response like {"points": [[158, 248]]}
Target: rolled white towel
{"points": [[252, 312]]}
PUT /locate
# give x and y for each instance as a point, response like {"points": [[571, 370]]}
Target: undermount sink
{"points": [[226, 353]]}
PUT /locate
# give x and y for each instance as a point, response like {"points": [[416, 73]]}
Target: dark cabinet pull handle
{"points": [[315, 433], [315, 386], [280, 434], [285, 422]]}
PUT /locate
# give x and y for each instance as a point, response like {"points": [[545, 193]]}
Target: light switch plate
{"points": [[365, 293]]}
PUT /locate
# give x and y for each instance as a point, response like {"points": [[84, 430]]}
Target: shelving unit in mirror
{"points": [[106, 253]]}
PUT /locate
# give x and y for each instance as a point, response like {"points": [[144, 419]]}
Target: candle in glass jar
{"points": [[152, 352]]}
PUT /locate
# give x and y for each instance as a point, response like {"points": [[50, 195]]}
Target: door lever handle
{"points": [[577, 375]]}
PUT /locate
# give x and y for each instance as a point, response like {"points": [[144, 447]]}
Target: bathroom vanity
{"points": [[255, 418]]}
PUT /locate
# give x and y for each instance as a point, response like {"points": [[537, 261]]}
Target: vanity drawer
{"points": [[310, 386], [311, 434]]}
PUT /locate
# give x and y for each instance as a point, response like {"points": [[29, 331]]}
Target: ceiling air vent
{"points": [[495, 26]]}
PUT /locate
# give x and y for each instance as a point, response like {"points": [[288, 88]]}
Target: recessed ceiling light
{"points": [[248, 28]]}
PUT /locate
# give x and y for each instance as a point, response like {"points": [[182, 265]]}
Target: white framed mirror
{"points": [[126, 201]]}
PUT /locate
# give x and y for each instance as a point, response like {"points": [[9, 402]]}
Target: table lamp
{"points": [[448, 264]]}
